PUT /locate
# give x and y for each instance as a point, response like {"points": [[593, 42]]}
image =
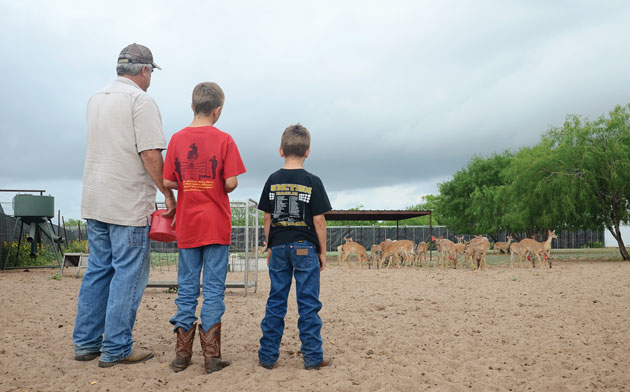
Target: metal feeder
{"points": [[35, 212]]}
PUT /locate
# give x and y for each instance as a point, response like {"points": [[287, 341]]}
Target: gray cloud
{"points": [[402, 95]]}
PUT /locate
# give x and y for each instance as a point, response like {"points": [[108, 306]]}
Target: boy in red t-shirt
{"points": [[202, 163]]}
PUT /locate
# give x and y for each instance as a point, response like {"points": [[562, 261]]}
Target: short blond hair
{"points": [[206, 97], [296, 140]]}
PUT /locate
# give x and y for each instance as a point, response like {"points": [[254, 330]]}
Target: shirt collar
{"points": [[128, 81]]}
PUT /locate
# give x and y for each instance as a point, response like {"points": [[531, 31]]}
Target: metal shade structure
{"points": [[396, 215], [380, 215]]}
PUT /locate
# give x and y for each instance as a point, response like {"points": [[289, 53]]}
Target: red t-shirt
{"points": [[199, 159]]}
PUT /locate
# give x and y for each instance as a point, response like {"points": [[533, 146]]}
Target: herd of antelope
{"points": [[406, 253]]}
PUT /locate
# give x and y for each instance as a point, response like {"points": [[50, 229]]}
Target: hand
{"points": [[322, 261], [268, 256], [171, 204], [173, 222]]}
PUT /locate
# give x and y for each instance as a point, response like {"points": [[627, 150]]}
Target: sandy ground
{"points": [[565, 329]]}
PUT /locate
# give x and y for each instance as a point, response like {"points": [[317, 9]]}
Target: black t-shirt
{"points": [[292, 197]]}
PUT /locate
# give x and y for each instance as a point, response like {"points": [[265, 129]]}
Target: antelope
{"points": [[421, 252], [353, 247], [396, 248], [533, 247], [503, 247]]}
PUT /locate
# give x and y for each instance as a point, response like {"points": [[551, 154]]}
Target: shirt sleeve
{"points": [[319, 202], [233, 164], [265, 204], [147, 124], [169, 167]]}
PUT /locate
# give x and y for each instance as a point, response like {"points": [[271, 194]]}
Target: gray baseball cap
{"points": [[136, 54]]}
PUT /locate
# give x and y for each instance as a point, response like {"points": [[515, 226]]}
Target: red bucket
{"points": [[161, 229]]}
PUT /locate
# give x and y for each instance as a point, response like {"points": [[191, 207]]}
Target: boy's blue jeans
{"points": [[115, 279], [298, 259], [214, 261]]}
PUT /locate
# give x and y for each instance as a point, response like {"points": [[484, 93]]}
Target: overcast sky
{"points": [[397, 95]]}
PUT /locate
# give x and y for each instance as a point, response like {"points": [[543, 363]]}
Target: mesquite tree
{"points": [[595, 157], [469, 202]]}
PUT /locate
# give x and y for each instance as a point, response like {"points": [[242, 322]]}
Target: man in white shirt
{"points": [[123, 166]]}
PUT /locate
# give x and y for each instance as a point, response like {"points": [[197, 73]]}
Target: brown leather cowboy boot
{"points": [[183, 348], [211, 347]]}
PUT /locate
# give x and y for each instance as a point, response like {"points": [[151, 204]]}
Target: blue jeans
{"points": [[115, 279], [214, 260], [298, 259]]}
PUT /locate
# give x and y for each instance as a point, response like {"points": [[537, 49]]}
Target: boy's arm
{"points": [[320, 229], [267, 227], [230, 184]]}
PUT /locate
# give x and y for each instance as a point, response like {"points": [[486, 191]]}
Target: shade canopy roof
{"points": [[374, 214]]}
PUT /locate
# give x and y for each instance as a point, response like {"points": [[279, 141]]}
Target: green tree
{"points": [[577, 177], [74, 222], [594, 158], [429, 202], [470, 201]]}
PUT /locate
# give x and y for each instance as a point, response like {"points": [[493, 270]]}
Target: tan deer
{"points": [[262, 249], [353, 247], [438, 248], [516, 248], [395, 250], [460, 248], [503, 247], [446, 248], [421, 252], [339, 254], [532, 247], [477, 249], [375, 252]]}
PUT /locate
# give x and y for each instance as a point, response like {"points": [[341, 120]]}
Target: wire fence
{"points": [[164, 255]]}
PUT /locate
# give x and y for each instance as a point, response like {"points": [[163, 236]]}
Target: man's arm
{"points": [[320, 229], [267, 227], [230, 184], [154, 164]]}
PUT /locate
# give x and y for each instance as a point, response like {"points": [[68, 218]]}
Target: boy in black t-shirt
{"points": [[294, 202]]}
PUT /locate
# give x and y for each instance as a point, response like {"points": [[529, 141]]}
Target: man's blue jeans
{"points": [[298, 259], [115, 279], [214, 260]]}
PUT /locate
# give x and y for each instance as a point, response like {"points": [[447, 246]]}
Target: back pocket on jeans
{"points": [[137, 236], [304, 258]]}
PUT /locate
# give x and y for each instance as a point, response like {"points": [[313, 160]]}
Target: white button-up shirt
{"points": [[122, 121]]}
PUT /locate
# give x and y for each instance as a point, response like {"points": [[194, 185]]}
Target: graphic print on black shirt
{"points": [[289, 208]]}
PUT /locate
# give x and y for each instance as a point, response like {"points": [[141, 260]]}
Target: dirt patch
{"points": [[564, 329]]}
